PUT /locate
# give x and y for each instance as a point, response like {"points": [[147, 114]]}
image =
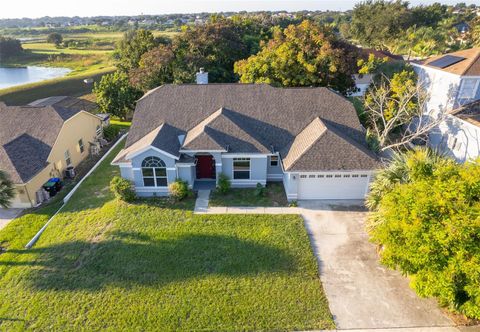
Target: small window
{"points": [[355, 176], [303, 176], [80, 145], [329, 176], [99, 131], [346, 176], [469, 88], [68, 160], [320, 176], [338, 175], [274, 161], [312, 176], [241, 168], [364, 175]]}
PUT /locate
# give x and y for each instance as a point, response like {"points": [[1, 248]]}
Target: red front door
{"points": [[205, 167]]}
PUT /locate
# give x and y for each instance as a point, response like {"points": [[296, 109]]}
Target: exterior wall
{"points": [[137, 176], [81, 126], [258, 170], [442, 87], [457, 138], [187, 173], [274, 173]]}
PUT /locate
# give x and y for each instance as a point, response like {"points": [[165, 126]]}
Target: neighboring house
{"points": [[363, 81], [309, 138], [459, 134], [67, 102], [452, 81], [40, 142]]}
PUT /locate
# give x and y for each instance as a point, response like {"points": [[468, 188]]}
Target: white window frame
{"points": [[473, 91], [249, 168], [154, 172], [99, 131], [68, 158]]}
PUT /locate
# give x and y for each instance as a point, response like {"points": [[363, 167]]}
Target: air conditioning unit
{"points": [[70, 172]]}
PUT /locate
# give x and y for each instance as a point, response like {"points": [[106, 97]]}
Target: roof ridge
{"points": [[473, 62], [310, 146]]}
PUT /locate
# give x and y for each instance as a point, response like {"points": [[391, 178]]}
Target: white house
{"points": [[452, 81]]}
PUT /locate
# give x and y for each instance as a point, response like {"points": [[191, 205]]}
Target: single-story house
{"points": [[308, 138], [40, 142]]}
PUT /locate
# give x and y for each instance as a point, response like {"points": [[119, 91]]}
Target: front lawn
{"points": [[274, 196], [107, 265]]}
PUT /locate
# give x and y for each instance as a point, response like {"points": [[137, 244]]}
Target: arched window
{"points": [[154, 172]]}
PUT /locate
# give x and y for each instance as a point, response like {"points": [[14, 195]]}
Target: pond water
{"points": [[18, 76]]}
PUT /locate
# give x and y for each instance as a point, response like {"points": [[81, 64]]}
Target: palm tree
{"points": [[404, 167], [7, 191]]}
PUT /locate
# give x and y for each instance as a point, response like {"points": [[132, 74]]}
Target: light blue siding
{"points": [[274, 173], [258, 171]]}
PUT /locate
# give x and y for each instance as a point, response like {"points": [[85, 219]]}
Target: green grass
{"points": [[274, 196], [153, 265]]}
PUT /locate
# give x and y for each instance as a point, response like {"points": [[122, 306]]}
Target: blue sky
{"points": [[38, 8]]}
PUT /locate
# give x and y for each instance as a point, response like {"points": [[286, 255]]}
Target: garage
{"points": [[333, 185]]}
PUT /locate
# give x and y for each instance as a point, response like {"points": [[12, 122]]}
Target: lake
{"points": [[17, 76]]}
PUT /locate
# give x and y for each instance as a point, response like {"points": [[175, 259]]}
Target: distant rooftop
{"points": [[74, 103]]}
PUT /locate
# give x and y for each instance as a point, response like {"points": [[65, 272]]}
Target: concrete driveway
{"points": [[7, 215], [362, 293]]}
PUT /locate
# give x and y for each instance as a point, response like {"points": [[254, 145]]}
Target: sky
{"points": [[39, 8]]}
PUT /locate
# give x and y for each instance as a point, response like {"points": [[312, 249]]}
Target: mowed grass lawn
{"points": [[153, 265]]}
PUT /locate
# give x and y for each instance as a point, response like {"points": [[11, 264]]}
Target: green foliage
{"points": [[429, 226], [404, 167], [376, 22], [303, 55], [9, 47], [115, 95], [179, 189], [122, 189], [131, 48], [7, 191], [214, 46], [110, 132], [54, 38], [372, 65], [260, 190], [223, 183]]}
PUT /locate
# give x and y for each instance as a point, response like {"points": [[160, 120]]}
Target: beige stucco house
{"points": [[40, 142]]}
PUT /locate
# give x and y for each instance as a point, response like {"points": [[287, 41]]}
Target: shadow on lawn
{"points": [[130, 259]]}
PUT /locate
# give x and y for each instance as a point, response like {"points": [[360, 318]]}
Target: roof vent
{"points": [[202, 77]]}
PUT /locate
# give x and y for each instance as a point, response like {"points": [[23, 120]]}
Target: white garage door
{"points": [[333, 186]]}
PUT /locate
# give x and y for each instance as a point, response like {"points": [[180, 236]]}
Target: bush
{"points": [[260, 190], [110, 132], [122, 189], [179, 189], [223, 183], [428, 227]]}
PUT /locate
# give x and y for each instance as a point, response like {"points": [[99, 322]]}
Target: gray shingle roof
{"points": [[27, 135], [256, 118]]}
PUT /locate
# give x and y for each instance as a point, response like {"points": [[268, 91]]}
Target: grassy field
{"points": [[274, 195], [153, 265]]}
